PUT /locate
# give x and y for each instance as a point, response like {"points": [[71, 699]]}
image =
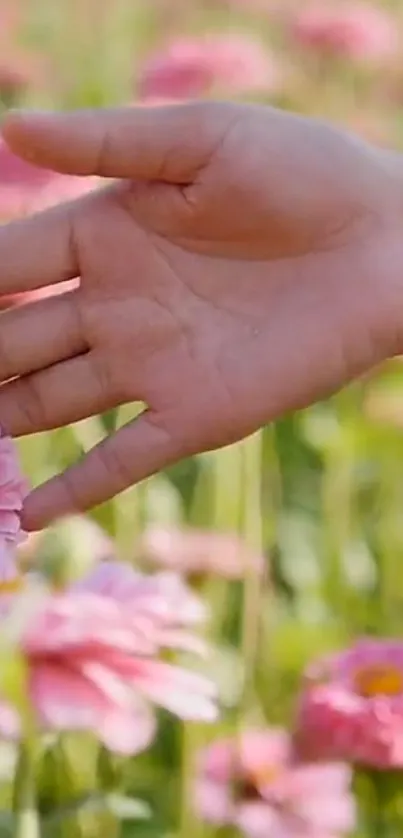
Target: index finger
{"points": [[39, 250], [169, 143]]}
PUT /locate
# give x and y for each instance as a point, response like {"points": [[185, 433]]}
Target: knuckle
{"points": [[112, 386], [104, 152], [102, 378], [169, 434], [74, 489], [157, 425], [32, 405], [116, 465]]}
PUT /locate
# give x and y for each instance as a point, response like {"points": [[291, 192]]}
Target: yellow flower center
{"points": [[11, 586], [379, 680], [263, 775]]}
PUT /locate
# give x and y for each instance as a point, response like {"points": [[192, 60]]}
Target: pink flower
{"points": [[92, 654], [13, 489], [194, 67], [256, 785], [25, 189], [355, 30], [352, 706], [164, 605], [196, 552], [11, 579]]}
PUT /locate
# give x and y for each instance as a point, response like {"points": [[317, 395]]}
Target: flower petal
{"points": [[213, 802], [65, 699], [128, 732]]}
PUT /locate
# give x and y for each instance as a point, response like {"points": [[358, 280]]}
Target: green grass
{"points": [[320, 493]]}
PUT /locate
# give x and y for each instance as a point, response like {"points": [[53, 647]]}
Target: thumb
{"points": [[152, 143], [133, 453]]}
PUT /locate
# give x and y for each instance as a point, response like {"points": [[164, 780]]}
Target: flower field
{"points": [[218, 651]]}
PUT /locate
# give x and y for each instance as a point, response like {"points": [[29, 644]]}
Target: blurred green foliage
{"points": [[320, 492]]}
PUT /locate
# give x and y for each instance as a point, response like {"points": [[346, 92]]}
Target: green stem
{"points": [[252, 532], [227, 490], [213, 484], [192, 741], [336, 496], [24, 802], [389, 542], [380, 793]]}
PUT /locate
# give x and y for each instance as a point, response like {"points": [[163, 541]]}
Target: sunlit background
{"points": [[294, 538]]}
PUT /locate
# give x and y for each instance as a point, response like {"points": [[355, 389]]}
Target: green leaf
{"points": [[121, 807], [128, 808], [88, 433]]}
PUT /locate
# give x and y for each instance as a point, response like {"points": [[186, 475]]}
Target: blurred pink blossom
{"points": [[256, 785], [25, 189], [10, 576], [189, 68], [163, 603], [93, 661], [13, 489], [198, 552], [352, 706], [357, 31]]}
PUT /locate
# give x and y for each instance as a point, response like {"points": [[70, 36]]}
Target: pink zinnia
{"points": [[198, 552], [190, 68], [256, 785], [163, 603], [13, 488], [352, 30], [352, 706], [92, 654]]}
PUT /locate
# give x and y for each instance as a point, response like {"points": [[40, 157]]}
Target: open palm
{"points": [[233, 271]]}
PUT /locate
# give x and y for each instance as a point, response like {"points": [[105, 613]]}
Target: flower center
{"points": [[252, 784], [12, 585], [379, 680], [264, 774]]}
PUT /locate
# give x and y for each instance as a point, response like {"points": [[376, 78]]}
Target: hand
{"points": [[247, 262]]}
